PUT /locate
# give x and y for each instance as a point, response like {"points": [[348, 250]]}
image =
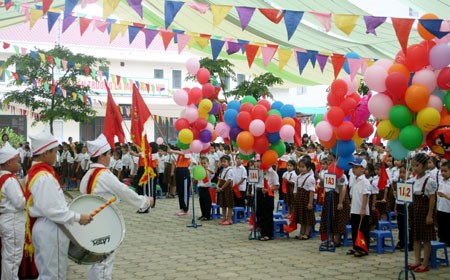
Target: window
{"points": [[17, 123], [164, 127], [158, 74], [240, 78], [125, 109], [90, 131], [176, 79], [2, 76]]}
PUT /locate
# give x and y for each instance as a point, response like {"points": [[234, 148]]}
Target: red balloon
{"points": [[261, 144], [259, 112], [273, 123], [443, 79], [265, 103], [333, 99], [334, 169], [243, 120], [216, 92], [365, 130], [335, 116], [195, 95], [428, 44], [396, 84], [400, 57], [339, 88], [205, 151], [181, 124], [355, 97], [200, 123], [247, 107], [196, 132], [203, 76], [348, 106], [345, 131], [416, 57], [208, 91]]}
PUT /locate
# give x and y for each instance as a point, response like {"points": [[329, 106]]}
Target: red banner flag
{"points": [[361, 242], [292, 224], [384, 177], [236, 191], [113, 121], [298, 132], [139, 115]]}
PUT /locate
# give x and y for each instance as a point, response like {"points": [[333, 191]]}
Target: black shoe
{"points": [[398, 247], [143, 211]]}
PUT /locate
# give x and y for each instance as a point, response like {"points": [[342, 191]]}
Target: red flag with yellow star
{"points": [[147, 156], [361, 241], [139, 115]]}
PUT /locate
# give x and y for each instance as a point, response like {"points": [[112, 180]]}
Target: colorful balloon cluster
{"points": [[345, 124], [258, 127], [411, 94], [196, 124]]}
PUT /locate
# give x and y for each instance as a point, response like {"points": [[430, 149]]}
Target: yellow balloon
{"points": [[387, 131], [205, 105], [428, 119], [203, 114], [358, 140], [186, 136]]}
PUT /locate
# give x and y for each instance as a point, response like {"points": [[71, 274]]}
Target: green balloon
{"points": [[274, 112], [278, 147], [244, 157], [199, 173], [249, 99], [182, 146], [212, 119], [411, 137], [318, 118], [234, 144], [400, 116], [447, 100]]}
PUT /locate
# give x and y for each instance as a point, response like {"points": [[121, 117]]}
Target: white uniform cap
{"points": [[7, 152], [43, 142], [98, 146]]}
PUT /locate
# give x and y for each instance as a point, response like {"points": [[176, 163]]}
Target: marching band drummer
{"points": [[101, 181], [12, 212], [46, 202]]}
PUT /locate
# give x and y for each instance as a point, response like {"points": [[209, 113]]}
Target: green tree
{"points": [[256, 87], [41, 84], [219, 70], [14, 139]]}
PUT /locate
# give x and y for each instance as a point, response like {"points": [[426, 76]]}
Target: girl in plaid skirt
{"points": [[421, 213], [304, 189], [289, 178]]}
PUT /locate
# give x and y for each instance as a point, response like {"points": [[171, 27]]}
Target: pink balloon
{"points": [[313, 137], [192, 65], [425, 77], [287, 132], [440, 56], [324, 131], [206, 145], [191, 114], [196, 146], [223, 130], [257, 127], [159, 141], [375, 78], [181, 97], [380, 105], [435, 102], [352, 85], [383, 62], [209, 127]]}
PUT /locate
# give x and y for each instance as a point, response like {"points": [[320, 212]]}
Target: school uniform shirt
{"points": [[202, 184], [351, 177], [290, 176], [85, 159], [162, 163], [434, 174], [395, 174], [127, 162], [390, 173], [360, 188], [430, 188], [342, 181], [239, 173], [212, 159], [443, 204], [227, 174], [57, 162], [65, 155], [117, 165], [293, 156], [13, 199], [374, 184], [305, 181], [271, 176]]}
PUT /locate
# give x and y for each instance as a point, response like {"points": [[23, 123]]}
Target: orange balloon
{"points": [[214, 136], [245, 140], [330, 143], [423, 32], [416, 97], [289, 121], [400, 68], [269, 158], [444, 112], [445, 120]]}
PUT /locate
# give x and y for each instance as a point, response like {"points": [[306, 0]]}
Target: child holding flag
{"points": [[289, 178], [204, 196]]}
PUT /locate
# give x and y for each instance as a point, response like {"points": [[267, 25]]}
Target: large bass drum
{"points": [[94, 242]]}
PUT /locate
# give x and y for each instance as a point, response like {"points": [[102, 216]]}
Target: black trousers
{"points": [[239, 202], [401, 227], [204, 198], [264, 213], [280, 173], [355, 219], [443, 221], [183, 178], [161, 182], [140, 189]]}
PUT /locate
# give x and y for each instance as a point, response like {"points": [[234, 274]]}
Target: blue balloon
{"points": [[273, 137], [334, 149], [287, 110], [440, 93], [277, 105], [345, 148], [396, 149], [343, 162], [234, 104], [346, 67], [230, 117]]}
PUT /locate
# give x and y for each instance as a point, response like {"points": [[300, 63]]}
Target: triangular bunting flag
{"points": [[46, 5], [171, 9], [132, 32], [324, 19], [109, 6], [51, 19], [233, 47], [166, 37], [322, 60], [176, 31], [283, 58], [372, 23], [291, 21], [251, 51], [302, 59], [312, 57], [34, 16], [33, 55], [273, 15], [84, 24], [345, 23], [402, 28], [116, 29], [338, 61], [101, 25], [434, 27], [6, 45], [67, 22], [118, 79], [69, 6], [267, 54], [354, 65], [199, 7], [245, 15], [216, 47], [50, 59], [136, 5], [183, 40], [150, 34], [201, 41], [219, 13], [243, 43]]}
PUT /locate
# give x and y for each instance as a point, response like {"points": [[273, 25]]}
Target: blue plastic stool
{"points": [[434, 260], [317, 208], [158, 192], [381, 236], [391, 215], [278, 228], [384, 225], [347, 241], [236, 211], [313, 231], [277, 216], [282, 205], [215, 211]]}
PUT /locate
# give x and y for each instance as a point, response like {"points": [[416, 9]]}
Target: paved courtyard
{"points": [[160, 246]]}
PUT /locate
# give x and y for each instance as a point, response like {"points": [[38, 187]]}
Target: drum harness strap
{"points": [[92, 183], [3, 180]]}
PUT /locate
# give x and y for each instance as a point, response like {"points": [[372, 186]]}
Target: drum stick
{"points": [[96, 211]]}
